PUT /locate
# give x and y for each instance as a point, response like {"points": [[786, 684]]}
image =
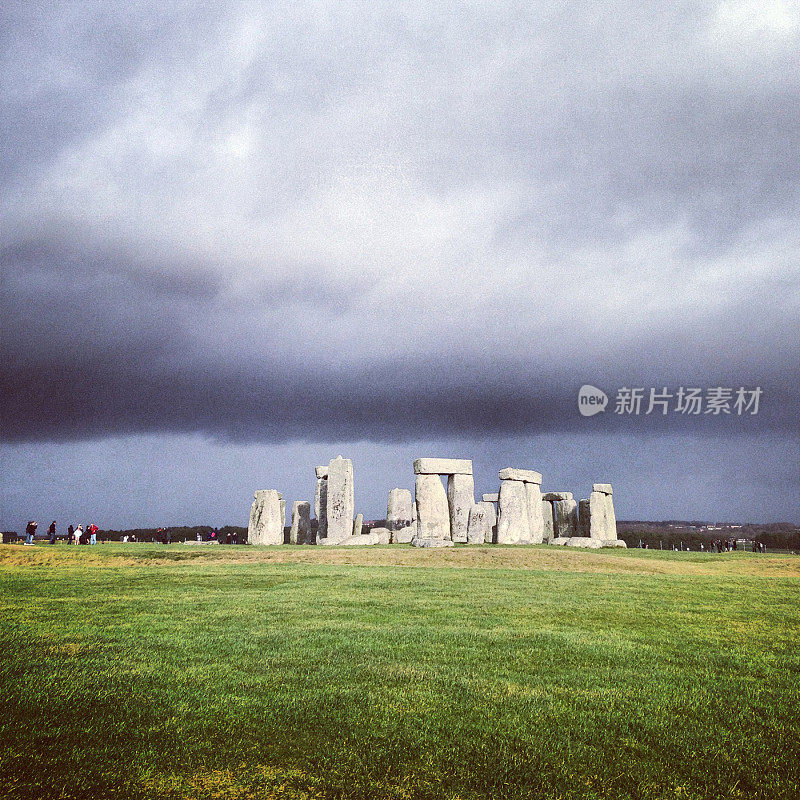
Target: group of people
{"points": [[79, 535]]}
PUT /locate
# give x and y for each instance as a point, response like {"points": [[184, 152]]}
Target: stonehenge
{"points": [[439, 515]]}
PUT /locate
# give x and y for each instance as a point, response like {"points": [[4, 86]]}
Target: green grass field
{"points": [[489, 672]]}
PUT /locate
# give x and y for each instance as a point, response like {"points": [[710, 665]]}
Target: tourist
{"points": [[78, 533], [30, 531], [70, 534], [93, 533], [51, 531]]}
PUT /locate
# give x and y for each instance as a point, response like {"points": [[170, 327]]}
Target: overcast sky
{"points": [[239, 239]]}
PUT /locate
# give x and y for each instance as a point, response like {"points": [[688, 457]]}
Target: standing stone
{"points": [[548, 533], [460, 499], [321, 502], [341, 501], [433, 512], [400, 516], [534, 495], [611, 518], [481, 523], [513, 526], [565, 518], [301, 523], [358, 524], [598, 523], [584, 523], [266, 522]]}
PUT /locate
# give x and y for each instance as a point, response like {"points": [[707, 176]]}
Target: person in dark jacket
{"points": [[51, 531]]}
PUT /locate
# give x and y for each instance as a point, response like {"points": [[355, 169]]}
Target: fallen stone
{"points": [[365, 539], [301, 523], [560, 540], [584, 541], [533, 493], [381, 535], [433, 511], [605, 488], [404, 535], [266, 522], [418, 542], [341, 502], [443, 466], [526, 475], [565, 518], [513, 526], [490, 498], [460, 499], [553, 496], [614, 543]]}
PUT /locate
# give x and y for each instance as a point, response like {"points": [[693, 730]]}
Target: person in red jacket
{"points": [[92, 530]]}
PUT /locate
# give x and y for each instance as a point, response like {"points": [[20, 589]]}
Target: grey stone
{"points": [[553, 496], [614, 543], [321, 472], [598, 517], [560, 540], [584, 541], [365, 539], [547, 521], [605, 488], [460, 499], [399, 509], [301, 523], [584, 526], [358, 524], [404, 535], [481, 521], [381, 535], [341, 501], [419, 542], [513, 526], [321, 506], [526, 475], [611, 518], [443, 466], [535, 521], [565, 518], [266, 522], [433, 512], [490, 498]]}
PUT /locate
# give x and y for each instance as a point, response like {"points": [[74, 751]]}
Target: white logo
{"points": [[591, 400]]}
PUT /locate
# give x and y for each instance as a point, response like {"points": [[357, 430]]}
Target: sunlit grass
{"points": [[250, 673]]}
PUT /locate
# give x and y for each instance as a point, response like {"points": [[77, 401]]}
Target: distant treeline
{"points": [[776, 536]]}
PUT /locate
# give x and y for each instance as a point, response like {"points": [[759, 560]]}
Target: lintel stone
{"points": [[443, 466], [527, 475], [554, 496], [322, 472], [605, 488]]}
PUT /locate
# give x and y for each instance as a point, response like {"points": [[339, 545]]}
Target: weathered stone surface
{"points": [[560, 540], [598, 518], [491, 524], [611, 518], [341, 501], [360, 540], [399, 509], [535, 521], [584, 527], [443, 466], [527, 475], [614, 543], [404, 535], [418, 542], [321, 472], [460, 499], [605, 488], [553, 496], [490, 498], [301, 523], [481, 519], [433, 512], [547, 521], [381, 535], [513, 526], [358, 524], [321, 506], [565, 518], [266, 522], [584, 541]]}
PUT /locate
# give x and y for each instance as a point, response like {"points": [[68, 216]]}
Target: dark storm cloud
{"points": [[389, 224]]}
